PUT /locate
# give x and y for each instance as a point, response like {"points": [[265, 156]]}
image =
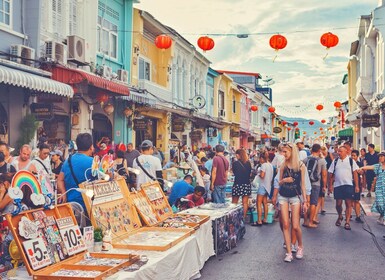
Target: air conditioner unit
{"points": [[106, 72], [222, 113], [55, 51], [76, 49], [24, 54], [123, 75]]}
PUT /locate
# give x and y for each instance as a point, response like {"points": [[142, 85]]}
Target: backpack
{"points": [[335, 164], [312, 169]]}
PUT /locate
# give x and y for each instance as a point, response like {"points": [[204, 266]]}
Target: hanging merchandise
{"points": [[206, 43], [163, 42], [319, 107], [254, 108], [277, 42]]}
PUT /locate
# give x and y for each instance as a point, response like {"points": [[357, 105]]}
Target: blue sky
{"points": [[302, 77]]}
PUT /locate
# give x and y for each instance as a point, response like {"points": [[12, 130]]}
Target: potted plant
{"points": [[98, 239]]}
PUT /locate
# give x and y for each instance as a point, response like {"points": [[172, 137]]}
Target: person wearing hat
{"points": [[56, 162], [379, 182], [149, 166], [301, 148]]}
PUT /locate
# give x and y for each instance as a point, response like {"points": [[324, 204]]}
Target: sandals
{"points": [[339, 220], [347, 226], [256, 224]]}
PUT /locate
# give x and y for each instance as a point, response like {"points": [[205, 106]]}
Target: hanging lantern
{"points": [[297, 128], [315, 132], [101, 97], [311, 122], [206, 43], [319, 107], [163, 42], [304, 133], [289, 128], [108, 109], [278, 42], [323, 121], [337, 104], [284, 122], [295, 123], [271, 109], [254, 108], [329, 40], [321, 128]]}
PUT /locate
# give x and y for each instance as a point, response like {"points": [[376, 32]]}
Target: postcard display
{"points": [[113, 208], [52, 246]]}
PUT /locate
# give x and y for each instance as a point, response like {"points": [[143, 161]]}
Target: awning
{"points": [[77, 76], [139, 98], [23, 79], [347, 132]]}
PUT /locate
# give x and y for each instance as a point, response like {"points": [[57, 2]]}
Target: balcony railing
{"points": [[157, 90]]}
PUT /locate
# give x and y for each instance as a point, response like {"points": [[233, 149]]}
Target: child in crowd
{"points": [[206, 180]]}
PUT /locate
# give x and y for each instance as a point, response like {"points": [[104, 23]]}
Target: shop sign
{"points": [[370, 120], [49, 98], [277, 129], [42, 111], [178, 125], [196, 135], [140, 124], [235, 133], [250, 139]]}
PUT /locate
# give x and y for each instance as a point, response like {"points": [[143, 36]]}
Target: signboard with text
{"points": [[140, 124], [178, 125], [370, 120], [42, 111]]}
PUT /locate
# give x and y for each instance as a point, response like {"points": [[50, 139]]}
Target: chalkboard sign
{"points": [[370, 120], [140, 124], [178, 125]]}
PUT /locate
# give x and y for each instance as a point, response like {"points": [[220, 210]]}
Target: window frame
{"points": [[110, 33], [145, 60], [3, 24]]}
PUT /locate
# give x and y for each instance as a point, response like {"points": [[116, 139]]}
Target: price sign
{"points": [[37, 253], [73, 240], [88, 233]]}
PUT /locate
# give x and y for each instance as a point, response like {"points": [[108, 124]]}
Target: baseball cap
{"points": [[298, 141], [382, 153], [146, 144], [56, 152]]}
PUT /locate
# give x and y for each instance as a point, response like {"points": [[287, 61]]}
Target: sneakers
{"points": [[288, 257], [359, 220], [299, 254], [293, 248]]}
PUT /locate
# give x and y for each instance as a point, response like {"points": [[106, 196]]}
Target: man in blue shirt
{"points": [[181, 189], [81, 163]]}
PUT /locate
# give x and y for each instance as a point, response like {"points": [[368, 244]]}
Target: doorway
{"points": [[102, 127]]}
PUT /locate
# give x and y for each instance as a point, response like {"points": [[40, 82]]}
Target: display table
{"points": [[227, 223], [183, 261]]}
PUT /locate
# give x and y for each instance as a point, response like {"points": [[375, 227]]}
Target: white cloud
{"points": [[300, 73]]}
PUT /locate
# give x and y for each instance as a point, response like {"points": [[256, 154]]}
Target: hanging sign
{"points": [[370, 120], [178, 125], [196, 135], [277, 129], [140, 124], [198, 101], [235, 133], [42, 111]]}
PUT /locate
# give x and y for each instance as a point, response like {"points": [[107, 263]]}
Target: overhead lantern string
{"points": [[329, 40], [277, 42]]}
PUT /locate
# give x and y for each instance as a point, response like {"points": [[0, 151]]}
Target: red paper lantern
{"points": [[321, 128], [304, 133], [283, 122], [289, 128], [297, 128], [319, 107], [254, 108], [323, 121], [271, 109], [337, 104], [311, 122], [329, 40], [278, 42], [206, 43], [295, 123], [315, 132], [101, 97], [163, 42]]}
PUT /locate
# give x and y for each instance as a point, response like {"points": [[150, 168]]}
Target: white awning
{"points": [[23, 79]]}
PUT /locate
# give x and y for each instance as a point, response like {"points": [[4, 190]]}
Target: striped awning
{"points": [[23, 79]]}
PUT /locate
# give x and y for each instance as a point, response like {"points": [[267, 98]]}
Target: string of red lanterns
{"points": [[319, 107], [337, 104], [254, 108], [271, 109], [205, 43], [163, 42]]}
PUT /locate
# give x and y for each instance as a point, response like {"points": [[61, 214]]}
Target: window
{"points": [[234, 105], [5, 12], [107, 36], [57, 14], [72, 17], [221, 100], [144, 70]]}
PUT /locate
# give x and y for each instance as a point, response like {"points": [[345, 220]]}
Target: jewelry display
{"points": [[152, 238], [76, 273]]}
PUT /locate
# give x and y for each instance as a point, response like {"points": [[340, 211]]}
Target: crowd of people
{"points": [[293, 177]]}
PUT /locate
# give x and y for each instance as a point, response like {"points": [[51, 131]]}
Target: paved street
{"points": [[330, 253]]}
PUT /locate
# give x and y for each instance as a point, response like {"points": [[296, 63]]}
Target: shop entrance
{"points": [[146, 133], [102, 127], [3, 124]]}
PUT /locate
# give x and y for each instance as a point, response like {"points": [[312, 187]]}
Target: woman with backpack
{"points": [[292, 190]]}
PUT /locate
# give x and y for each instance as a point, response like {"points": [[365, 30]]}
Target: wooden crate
{"points": [[61, 211], [157, 245], [157, 199], [110, 207]]}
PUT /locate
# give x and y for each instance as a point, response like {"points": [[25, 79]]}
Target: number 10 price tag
{"points": [[37, 253], [73, 240]]}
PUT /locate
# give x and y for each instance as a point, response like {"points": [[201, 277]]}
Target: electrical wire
{"points": [[374, 238]]}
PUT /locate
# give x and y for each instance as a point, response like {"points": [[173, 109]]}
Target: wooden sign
{"points": [[177, 125], [140, 124], [235, 133], [196, 135], [42, 111], [370, 120]]}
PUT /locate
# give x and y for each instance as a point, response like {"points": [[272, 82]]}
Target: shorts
{"points": [[321, 192], [344, 192], [314, 195], [261, 190], [290, 200], [357, 196]]}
